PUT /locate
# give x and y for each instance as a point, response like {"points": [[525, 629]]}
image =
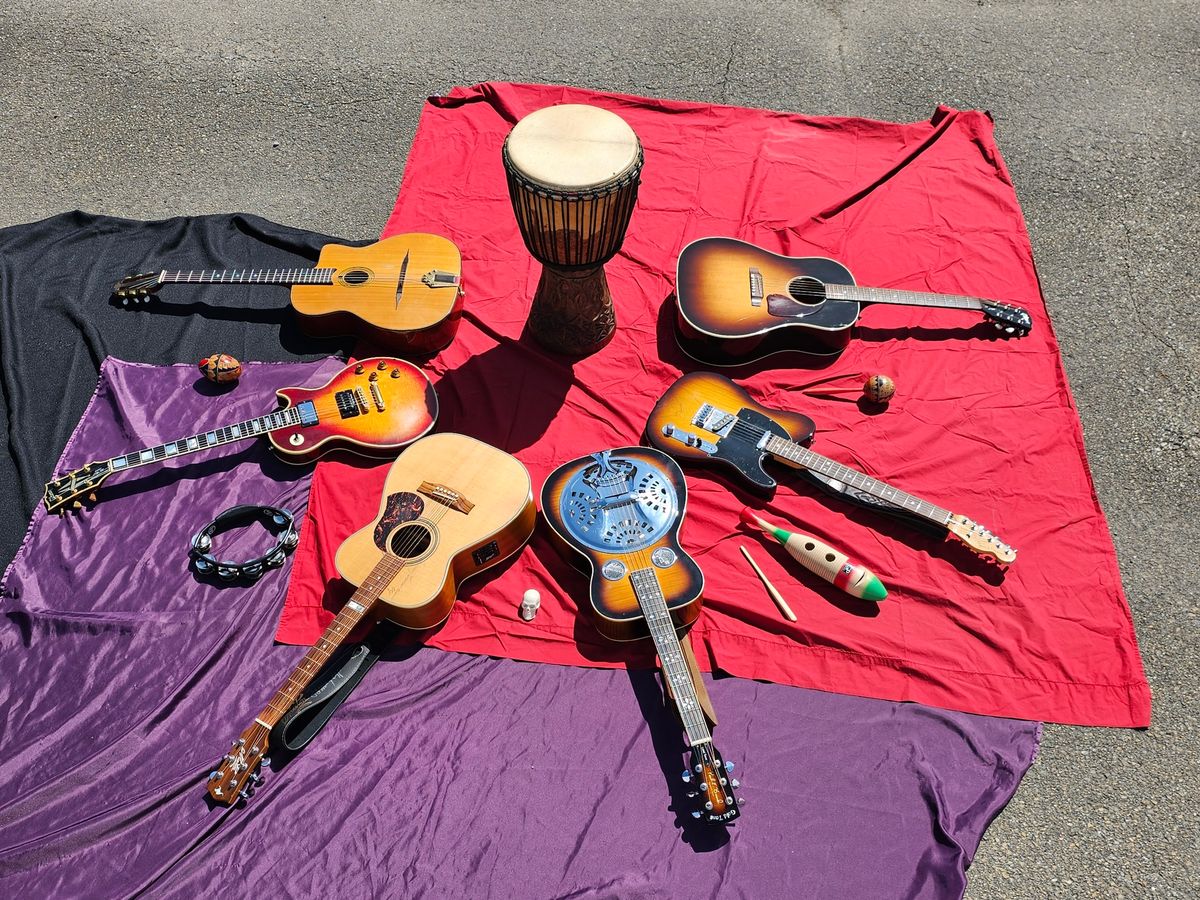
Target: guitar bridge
{"points": [[756, 287], [436, 278], [446, 496]]}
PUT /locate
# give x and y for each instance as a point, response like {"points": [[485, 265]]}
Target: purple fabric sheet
{"points": [[122, 680]]}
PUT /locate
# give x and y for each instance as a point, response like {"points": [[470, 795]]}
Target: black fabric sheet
{"points": [[58, 321]]}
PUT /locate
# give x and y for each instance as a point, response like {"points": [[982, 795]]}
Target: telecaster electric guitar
{"points": [[705, 417], [620, 510], [372, 407], [404, 292], [452, 507], [738, 302]]}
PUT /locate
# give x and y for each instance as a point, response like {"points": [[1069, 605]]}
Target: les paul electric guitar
{"points": [[705, 417], [620, 511], [404, 292], [738, 302], [452, 507], [373, 407]]}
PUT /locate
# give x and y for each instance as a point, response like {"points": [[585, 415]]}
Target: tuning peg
{"points": [[686, 776], [728, 765], [695, 814], [214, 775], [244, 793], [256, 778], [735, 784], [92, 496], [266, 761], [77, 505], [693, 794], [1009, 330]]}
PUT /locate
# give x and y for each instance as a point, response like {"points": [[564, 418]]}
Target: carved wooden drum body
{"points": [[573, 174]]}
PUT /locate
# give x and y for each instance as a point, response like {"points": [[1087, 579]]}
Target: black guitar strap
{"points": [[862, 499], [337, 679]]}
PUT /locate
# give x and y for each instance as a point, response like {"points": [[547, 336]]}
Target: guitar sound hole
{"points": [[355, 277], [411, 540], [806, 290]]}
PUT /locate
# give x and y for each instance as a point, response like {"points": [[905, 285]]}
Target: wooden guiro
{"points": [[823, 560]]}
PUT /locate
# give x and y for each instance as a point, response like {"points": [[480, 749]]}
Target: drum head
{"points": [[572, 147]]}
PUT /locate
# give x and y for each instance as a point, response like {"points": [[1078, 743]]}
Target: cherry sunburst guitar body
{"points": [[737, 302], [403, 292], [372, 408], [452, 507]]}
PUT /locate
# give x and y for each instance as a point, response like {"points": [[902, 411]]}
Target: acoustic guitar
{"points": [[452, 507], [738, 302], [373, 407], [404, 292], [706, 418], [620, 512]]}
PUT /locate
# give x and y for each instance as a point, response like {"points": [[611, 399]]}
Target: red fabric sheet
{"points": [[982, 427]]}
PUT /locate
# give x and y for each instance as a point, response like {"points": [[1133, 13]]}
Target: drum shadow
{"points": [[671, 750], [670, 351], [507, 396]]}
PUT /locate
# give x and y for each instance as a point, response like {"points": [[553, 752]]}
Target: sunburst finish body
{"points": [[616, 612], [410, 408]]}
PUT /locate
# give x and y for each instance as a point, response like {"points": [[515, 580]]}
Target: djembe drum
{"points": [[573, 174]]}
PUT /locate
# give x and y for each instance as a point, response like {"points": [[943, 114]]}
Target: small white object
{"points": [[529, 604]]}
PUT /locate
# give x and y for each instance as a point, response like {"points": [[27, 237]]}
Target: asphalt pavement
{"points": [[304, 112]]}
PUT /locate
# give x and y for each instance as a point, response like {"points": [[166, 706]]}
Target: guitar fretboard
{"points": [[902, 298], [327, 644], [302, 414], [666, 641], [248, 276], [802, 456]]}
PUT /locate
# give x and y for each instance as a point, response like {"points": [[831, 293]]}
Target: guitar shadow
{"points": [[978, 331], [293, 339], [670, 351], [671, 750]]}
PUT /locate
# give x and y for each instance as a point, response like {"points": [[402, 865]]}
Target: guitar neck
{"points": [[900, 298], [799, 455], [248, 276], [355, 610], [302, 414], [666, 641]]}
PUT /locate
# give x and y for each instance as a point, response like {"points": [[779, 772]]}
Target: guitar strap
{"points": [[308, 715], [870, 501]]}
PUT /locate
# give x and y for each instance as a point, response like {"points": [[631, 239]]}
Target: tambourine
{"points": [[275, 520]]}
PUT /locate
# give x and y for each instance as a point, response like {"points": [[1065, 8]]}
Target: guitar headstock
{"points": [[65, 492], [137, 288], [712, 785], [981, 540], [238, 774], [1008, 318]]}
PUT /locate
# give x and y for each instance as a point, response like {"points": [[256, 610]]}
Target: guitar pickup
{"points": [[688, 439], [347, 404], [446, 496]]}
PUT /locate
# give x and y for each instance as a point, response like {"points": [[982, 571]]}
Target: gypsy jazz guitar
{"points": [[404, 292], [620, 511], [705, 417], [452, 507], [372, 407], [738, 302]]}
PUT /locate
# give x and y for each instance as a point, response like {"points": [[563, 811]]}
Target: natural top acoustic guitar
{"points": [[404, 293]]}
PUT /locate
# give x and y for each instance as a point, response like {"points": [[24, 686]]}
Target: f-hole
{"points": [[806, 290], [411, 540], [354, 277]]}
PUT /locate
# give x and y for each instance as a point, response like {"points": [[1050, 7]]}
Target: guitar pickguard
{"points": [[403, 506], [744, 454]]}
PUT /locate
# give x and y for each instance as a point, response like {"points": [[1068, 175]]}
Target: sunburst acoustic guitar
{"points": [[738, 302], [620, 512], [404, 293], [373, 407], [706, 418], [452, 507]]}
